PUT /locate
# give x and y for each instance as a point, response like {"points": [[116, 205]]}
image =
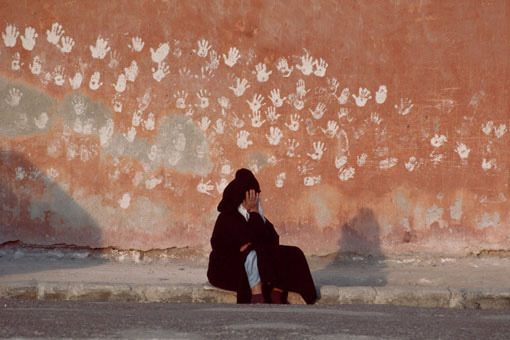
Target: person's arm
{"points": [[264, 232]]}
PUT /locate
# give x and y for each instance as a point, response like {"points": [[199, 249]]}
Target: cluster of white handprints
{"points": [[324, 114]]}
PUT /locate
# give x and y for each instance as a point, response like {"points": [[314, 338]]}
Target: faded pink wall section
{"points": [[373, 126]]}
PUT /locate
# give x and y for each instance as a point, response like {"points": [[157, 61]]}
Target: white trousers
{"points": [[252, 269]]}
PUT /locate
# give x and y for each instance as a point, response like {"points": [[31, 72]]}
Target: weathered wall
{"points": [[373, 126]]}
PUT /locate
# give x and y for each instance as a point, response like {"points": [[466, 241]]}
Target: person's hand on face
{"points": [[251, 201]]}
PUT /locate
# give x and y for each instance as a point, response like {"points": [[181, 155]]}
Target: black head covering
{"points": [[235, 192]]}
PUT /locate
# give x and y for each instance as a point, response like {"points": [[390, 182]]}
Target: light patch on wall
{"points": [[488, 220], [24, 109], [322, 213], [434, 214], [182, 145], [456, 209], [125, 201]]}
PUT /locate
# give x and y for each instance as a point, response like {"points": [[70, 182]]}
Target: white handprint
{"points": [[130, 135], [120, 86], [344, 96], [180, 97], [54, 35], [275, 98], [220, 187], [28, 40], [76, 81], [114, 59], [363, 97], [117, 104], [272, 115], [206, 73], [203, 97], [405, 106], [374, 117], [58, 75], [185, 72], [438, 141], [203, 48], [306, 66], [95, 82], [10, 35], [256, 119], [500, 131], [204, 123], [261, 72], [488, 164], [462, 150], [16, 62], [333, 85], [214, 61], [487, 128], [312, 180], [14, 97], [66, 44], [340, 161], [332, 129], [220, 126], [256, 103], [101, 49], [162, 71], [283, 67], [361, 159], [294, 122], [131, 71], [346, 173], [411, 164], [137, 118], [136, 44], [224, 103], [318, 151], [380, 95], [320, 67], [319, 111], [275, 135], [232, 58], [296, 101], [292, 145], [240, 87], [204, 188], [236, 121], [79, 105], [301, 90], [150, 123], [242, 139], [41, 121], [279, 179], [35, 66], [189, 111]]}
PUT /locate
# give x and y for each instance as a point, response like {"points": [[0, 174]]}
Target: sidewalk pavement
{"points": [[179, 275]]}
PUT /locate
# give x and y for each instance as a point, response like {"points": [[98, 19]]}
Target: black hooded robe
{"points": [[283, 267]]}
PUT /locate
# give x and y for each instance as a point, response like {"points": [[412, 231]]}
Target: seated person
{"points": [[246, 255]]}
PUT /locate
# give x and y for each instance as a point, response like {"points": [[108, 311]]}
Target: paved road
{"points": [[88, 320]]}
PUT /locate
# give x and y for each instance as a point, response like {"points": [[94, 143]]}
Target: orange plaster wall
{"points": [[123, 162]]}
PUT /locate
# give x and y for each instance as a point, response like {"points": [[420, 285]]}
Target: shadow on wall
{"points": [[35, 210], [359, 261]]}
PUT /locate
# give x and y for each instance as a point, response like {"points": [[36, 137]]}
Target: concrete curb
{"points": [[431, 297]]}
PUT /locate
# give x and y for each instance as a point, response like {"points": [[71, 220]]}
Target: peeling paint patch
{"points": [[488, 220], [434, 214], [456, 209]]}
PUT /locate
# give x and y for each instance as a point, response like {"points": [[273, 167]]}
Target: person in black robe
{"points": [[240, 229]]}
